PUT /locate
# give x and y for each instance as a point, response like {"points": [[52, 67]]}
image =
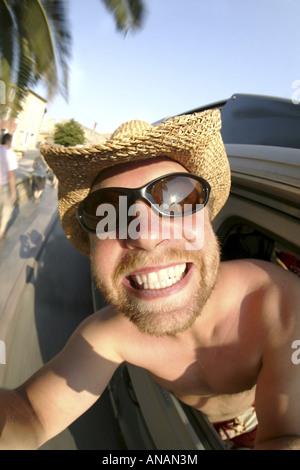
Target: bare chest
{"points": [[206, 372], [214, 366], [218, 381]]}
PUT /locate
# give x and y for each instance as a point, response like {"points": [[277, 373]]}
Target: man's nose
{"points": [[146, 228]]}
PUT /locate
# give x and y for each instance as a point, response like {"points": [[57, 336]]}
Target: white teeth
{"points": [[160, 279], [138, 279]]}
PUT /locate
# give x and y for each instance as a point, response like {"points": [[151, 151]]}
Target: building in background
{"points": [[29, 122], [30, 128], [7, 124], [26, 127], [91, 136]]}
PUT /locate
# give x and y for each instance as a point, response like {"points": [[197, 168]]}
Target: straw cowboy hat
{"points": [[194, 141]]}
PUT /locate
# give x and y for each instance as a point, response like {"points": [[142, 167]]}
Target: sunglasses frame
{"points": [[145, 193]]}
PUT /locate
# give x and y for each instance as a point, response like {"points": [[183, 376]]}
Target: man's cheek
{"points": [[103, 259]]}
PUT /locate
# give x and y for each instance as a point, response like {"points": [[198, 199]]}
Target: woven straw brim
{"points": [[194, 141]]}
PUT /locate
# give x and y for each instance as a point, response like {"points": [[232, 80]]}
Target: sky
{"points": [[188, 53]]}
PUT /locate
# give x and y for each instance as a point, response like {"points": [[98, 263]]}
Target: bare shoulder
{"points": [[257, 273], [275, 291]]}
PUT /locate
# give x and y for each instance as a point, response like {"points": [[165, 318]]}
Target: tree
{"points": [[70, 133], [35, 42]]}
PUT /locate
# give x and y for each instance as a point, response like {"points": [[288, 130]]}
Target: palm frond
{"points": [[6, 44], [24, 77], [128, 14], [137, 12], [35, 41], [56, 12], [34, 28], [28, 47]]}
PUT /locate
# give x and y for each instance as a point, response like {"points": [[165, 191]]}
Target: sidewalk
{"points": [[25, 236]]}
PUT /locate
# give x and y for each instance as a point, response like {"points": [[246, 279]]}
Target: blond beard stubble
{"points": [[164, 322]]}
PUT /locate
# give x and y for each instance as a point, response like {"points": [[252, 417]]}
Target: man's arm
{"points": [[61, 391], [278, 386]]}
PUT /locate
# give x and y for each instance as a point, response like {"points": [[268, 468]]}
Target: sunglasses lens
{"points": [[179, 194], [175, 195], [100, 210]]}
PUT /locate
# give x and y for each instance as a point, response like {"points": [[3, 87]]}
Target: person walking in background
{"points": [[8, 193], [38, 177], [51, 177]]}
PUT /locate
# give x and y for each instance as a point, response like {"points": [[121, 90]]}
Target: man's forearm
{"points": [[19, 426], [280, 443]]}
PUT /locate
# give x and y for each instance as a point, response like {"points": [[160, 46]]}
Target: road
{"points": [[55, 298]]}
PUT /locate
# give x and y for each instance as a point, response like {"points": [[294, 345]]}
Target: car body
{"points": [[260, 220]]}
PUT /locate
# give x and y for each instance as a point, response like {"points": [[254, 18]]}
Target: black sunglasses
{"points": [[172, 195]]}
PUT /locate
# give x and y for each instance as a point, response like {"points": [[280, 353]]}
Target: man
{"points": [[8, 163], [217, 335]]}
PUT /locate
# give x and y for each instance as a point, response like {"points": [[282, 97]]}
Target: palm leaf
{"points": [[57, 16], [25, 75], [137, 13], [128, 14], [6, 44], [35, 40], [27, 51]]}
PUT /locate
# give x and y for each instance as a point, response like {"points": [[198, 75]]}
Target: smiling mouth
{"points": [[159, 279]]}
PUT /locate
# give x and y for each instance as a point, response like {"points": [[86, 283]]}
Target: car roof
{"points": [[257, 120]]}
